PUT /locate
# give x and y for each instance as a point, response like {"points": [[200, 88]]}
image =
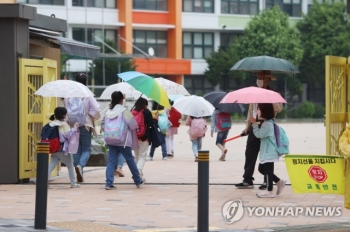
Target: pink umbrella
{"points": [[253, 95]]}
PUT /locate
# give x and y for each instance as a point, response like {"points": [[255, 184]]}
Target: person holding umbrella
{"points": [[253, 143]]}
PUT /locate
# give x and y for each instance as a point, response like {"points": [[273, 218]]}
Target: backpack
{"points": [[157, 138], [282, 140], [163, 122], [174, 117], [140, 119], [50, 135], [76, 111], [224, 121], [198, 127], [115, 131]]}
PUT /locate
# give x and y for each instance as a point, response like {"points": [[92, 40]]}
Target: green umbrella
{"points": [[273, 64], [146, 85]]}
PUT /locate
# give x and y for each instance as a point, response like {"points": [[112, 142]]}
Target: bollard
{"points": [[41, 185], [203, 191]]}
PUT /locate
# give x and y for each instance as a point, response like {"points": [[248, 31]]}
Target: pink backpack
{"points": [[198, 127]]}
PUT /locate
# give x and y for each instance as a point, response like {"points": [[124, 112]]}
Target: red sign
{"points": [[318, 174]]}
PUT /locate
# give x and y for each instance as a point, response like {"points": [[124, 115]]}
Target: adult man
{"points": [[92, 112], [253, 143]]}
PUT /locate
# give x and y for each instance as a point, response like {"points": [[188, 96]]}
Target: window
{"points": [[43, 2], [150, 5], [204, 6], [197, 45], [227, 38], [291, 7], [79, 35], [198, 85], [95, 3], [155, 39], [248, 7]]}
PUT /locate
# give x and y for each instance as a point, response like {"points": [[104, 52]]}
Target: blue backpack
{"points": [[163, 122], [50, 135], [282, 140]]}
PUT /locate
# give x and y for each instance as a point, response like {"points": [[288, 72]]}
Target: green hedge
{"points": [[307, 110]]}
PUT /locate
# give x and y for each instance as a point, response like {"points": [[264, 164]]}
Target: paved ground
{"points": [[168, 202]]}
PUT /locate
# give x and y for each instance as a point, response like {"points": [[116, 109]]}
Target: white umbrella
{"points": [[64, 89], [194, 106], [129, 91], [172, 88]]}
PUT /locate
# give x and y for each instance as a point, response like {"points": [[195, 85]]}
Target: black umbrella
{"points": [[216, 96], [273, 64]]}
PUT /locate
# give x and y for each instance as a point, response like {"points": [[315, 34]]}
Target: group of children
{"points": [[126, 130], [264, 131]]}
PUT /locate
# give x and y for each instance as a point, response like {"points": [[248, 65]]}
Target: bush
{"points": [[320, 111], [237, 116], [305, 110]]}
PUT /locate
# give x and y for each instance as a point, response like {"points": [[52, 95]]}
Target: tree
{"points": [[111, 68], [324, 31], [269, 33], [219, 65]]}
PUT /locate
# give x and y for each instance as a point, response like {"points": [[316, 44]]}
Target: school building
{"points": [[169, 38]]}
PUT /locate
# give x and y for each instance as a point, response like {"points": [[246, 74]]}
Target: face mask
{"points": [[260, 83]]}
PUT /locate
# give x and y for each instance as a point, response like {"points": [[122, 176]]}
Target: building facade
{"points": [[180, 33]]}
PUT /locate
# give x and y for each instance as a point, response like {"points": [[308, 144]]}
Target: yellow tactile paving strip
{"points": [[81, 226]]}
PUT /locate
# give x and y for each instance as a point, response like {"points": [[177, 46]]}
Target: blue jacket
{"points": [[268, 140]]}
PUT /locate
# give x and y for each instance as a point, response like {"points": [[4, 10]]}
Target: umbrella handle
{"points": [[135, 102], [234, 137]]}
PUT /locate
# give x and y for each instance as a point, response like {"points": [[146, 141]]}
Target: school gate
{"points": [[34, 110], [337, 101]]}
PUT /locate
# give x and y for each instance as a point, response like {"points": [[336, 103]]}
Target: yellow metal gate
{"points": [[337, 101], [34, 110]]}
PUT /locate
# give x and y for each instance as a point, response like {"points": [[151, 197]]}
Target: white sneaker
{"points": [[280, 186], [164, 158], [75, 185], [141, 184], [266, 194]]}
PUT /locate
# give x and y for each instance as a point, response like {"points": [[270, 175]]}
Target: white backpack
{"points": [[76, 111]]}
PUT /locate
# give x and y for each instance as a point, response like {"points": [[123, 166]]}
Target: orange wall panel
{"points": [[175, 34], [163, 66], [150, 17], [125, 8]]}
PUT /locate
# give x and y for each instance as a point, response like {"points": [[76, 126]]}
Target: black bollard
{"points": [[41, 185], [203, 191]]}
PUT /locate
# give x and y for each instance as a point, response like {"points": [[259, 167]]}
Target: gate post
{"points": [[203, 191], [42, 175]]}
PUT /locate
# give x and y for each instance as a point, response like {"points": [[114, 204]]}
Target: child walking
{"points": [[66, 135], [268, 153], [198, 127], [222, 134]]}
